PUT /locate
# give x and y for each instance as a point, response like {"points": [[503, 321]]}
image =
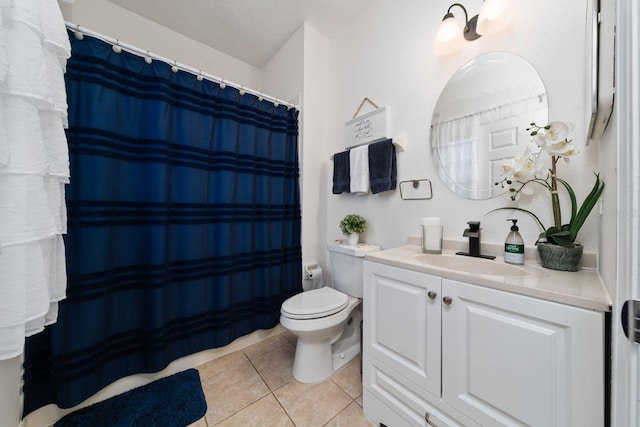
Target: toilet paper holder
{"points": [[311, 270]]}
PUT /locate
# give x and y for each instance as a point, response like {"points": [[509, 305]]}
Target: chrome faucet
{"points": [[473, 233]]}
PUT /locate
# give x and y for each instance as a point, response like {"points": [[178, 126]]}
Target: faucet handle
{"points": [[474, 225]]}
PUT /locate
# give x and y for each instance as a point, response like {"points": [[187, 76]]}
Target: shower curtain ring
{"points": [[174, 67], [116, 47], [147, 58], [77, 33], [200, 77], [241, 91], [260, 98], [276, 103], [222, 84]]}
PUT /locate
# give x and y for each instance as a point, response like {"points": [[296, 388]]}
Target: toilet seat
{"points": [[314, 304]]}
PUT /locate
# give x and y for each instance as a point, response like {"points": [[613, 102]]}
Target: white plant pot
{"points": [[352, 239]]}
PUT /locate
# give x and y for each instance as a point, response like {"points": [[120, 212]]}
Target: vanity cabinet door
{"points": [[512, 360], [402, 322]]}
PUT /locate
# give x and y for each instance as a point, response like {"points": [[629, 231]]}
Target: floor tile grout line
{"points": [[285, 411], [271, 392], [261, 377], [276, 397], [251, 403]]}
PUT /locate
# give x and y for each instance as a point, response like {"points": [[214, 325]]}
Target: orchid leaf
{"points": [[588, 204], [514, 208], [572, 197], [562, 238]]}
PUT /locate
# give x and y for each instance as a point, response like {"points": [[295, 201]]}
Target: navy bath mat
{"points": [[174, 401]]}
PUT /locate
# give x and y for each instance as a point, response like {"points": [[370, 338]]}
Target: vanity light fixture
{"points": [[494, 16]]}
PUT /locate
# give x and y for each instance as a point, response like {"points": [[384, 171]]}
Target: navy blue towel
{"points": [[341, 173], [382, 166]]}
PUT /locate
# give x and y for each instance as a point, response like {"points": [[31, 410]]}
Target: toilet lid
{"points": [[314, 304]]}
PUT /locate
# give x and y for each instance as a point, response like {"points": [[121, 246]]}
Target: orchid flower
{"points": [[520, 171]]}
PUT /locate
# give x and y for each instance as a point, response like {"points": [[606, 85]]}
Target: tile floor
{"points": [[254, 387]]}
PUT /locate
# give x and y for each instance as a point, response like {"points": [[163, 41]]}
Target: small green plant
{"points": [[353, 223]]}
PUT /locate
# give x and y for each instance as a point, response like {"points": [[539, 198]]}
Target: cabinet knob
{"points": [[447, 300], [432, 294]]}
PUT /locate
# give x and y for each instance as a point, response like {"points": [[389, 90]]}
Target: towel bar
{"points": [[400, 142]]}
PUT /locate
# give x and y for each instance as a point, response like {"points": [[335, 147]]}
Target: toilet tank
{"points": [[346, 266]]}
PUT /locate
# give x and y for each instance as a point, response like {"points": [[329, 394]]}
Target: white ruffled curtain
{"points": [[459, 150], [34, 168]]}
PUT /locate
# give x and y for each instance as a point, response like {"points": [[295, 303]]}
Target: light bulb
{"points": [[494, 16], [448, 37]]}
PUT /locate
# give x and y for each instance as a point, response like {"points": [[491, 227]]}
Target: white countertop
{"points": [[582, 288]]}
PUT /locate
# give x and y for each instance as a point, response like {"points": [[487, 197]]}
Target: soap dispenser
{"points": [[514, 245]]}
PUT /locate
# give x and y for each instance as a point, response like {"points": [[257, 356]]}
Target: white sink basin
{"points": [[470, 265]]}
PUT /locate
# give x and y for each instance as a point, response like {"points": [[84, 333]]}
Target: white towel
{"points": [[359, 169]]}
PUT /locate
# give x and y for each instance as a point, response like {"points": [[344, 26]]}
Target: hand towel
{"points": [[382, 166], [341, 171], [359, 166]]}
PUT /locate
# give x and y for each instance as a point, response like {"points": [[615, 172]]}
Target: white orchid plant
{"points": [[520, 172]]}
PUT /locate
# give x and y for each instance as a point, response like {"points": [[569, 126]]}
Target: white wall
{"points": [[386, 54], [300, 70], [315, 131], [114, 21], [282, 76], [10, 397]]}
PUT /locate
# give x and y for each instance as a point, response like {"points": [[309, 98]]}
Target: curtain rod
{"points": [[79, 31]]}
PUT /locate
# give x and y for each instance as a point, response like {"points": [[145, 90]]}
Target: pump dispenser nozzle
{"points": [[514, 227]]}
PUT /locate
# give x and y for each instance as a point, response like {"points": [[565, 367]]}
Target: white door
{"points": [[626, 354], [520, 361], [402, 322], [505, 139]]}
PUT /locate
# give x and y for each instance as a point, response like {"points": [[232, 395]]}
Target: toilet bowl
{"points": [[327, 320]]}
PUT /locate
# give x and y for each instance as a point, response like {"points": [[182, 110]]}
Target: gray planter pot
{"points": [[560, 258]]}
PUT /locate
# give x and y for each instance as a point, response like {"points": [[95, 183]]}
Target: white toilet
{"points": [[327, 320]]}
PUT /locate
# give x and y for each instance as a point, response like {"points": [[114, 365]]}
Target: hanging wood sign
{"points": [[369, 127]]}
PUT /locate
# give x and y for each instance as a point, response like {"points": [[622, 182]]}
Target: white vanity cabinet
{"points": [[461, 354]]}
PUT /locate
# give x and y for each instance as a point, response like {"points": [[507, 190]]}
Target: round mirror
{"points": [[480, 120]]}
